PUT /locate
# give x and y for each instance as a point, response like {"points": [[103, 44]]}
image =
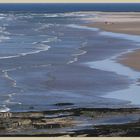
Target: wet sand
{"points": [[121, 23], [131, 60]]}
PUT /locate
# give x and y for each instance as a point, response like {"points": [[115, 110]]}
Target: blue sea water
{"points": [[71, 7], [42, 49]]}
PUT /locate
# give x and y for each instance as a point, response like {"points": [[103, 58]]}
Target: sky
{"points": [[67, 1]]}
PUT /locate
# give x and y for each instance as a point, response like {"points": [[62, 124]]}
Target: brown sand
{"points": [[131, 60], [120, 27], [127, 23]]}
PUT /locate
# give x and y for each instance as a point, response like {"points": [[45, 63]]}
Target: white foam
{"points": [[44, 27], [2, 18], [72, 14], [72, 61], [7, 57], [81, 53], [4, 109], [82, 27], [79, 14], [12, 94], [47, 41], [41, 48], [8, 102], [2, 37], [5, 73], [3, 31], [50, 15], [35, 43]]}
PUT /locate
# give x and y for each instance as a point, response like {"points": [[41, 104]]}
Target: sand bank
{"points": [[131, 60], [117, 22], [126, 23]]}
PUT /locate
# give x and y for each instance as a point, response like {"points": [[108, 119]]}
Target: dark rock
{"points": [[63, 104]]}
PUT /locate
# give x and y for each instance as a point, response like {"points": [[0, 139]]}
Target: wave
{"points": [[2, 18], [41, 48], [82, 27], [72, 61], [9, 78], [8, 57], [39, 42], [55, 39], [76, 57], [44, 26], [51, 15], [3, 31], [8, 102], [10, 95], [2, 38], [4, 109], [68, 14], [4, 34], [80, 53]]}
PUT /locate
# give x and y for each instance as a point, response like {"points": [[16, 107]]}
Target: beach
{"points": [[70, 74], [121, 23], [126, 23], [131, 60]]}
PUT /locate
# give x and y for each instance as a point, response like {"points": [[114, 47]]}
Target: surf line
{"points": [[38, 50], [76, 55], [5, 107]]}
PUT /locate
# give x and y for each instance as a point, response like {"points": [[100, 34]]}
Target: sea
{"points": [[69, 7], [49, 59]]}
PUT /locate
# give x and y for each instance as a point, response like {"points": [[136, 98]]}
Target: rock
{"points": [[5, 115]]}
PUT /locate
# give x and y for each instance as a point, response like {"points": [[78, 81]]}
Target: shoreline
{"points": [[124, 24], [125, 64], [131, 60], [77, 121]]}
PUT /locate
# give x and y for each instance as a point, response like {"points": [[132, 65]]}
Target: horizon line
{"points": [[67, 2]]}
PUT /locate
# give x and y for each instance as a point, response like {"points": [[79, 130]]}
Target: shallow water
{"points": [[41, 63]]}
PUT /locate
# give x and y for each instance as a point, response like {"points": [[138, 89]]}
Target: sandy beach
{"points": [[125, 23], [131, 60]]}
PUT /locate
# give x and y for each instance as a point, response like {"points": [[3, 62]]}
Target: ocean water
{"points": [[42, 55], [71, 7]]}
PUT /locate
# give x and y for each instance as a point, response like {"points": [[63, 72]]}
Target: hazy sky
{"points": [[65, 1]]}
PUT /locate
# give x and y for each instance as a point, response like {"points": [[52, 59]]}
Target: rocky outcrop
{"points": [[67, 123]]}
